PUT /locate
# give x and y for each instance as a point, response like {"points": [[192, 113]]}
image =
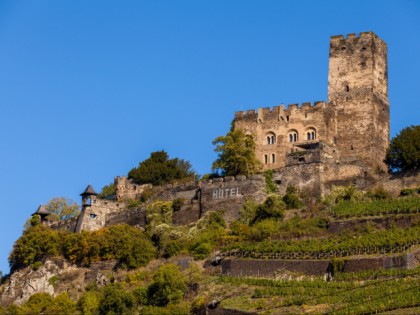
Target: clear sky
{"points": [[89, 88]]}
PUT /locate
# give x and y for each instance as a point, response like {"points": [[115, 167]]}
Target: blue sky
{"points": [[89, 88]]}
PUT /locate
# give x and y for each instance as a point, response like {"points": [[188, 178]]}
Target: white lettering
{"points": [[225, 193]]}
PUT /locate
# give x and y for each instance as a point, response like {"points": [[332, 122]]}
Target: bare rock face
{"points": [[55, 276]]}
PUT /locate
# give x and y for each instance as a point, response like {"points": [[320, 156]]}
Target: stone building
{"points": [[347, 135]]}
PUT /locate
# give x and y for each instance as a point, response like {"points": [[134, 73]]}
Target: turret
{"points": [[88, 196], [42, 212]]}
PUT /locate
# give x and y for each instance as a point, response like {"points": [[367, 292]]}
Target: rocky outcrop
{"points": [[55, 276]]}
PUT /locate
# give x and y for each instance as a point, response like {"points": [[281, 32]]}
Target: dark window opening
{"points": [[347, 88], [265, 158], [351, 147], [287, 118], [273, 158]]}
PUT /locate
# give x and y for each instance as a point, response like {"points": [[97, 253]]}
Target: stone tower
{"points": [[88, 216], [358, 89]]}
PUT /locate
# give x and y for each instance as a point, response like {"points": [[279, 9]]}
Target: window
{"points": [[271, 138], [311, 134], [293, 136], [92, 216], [265, 158], [273, 158]]}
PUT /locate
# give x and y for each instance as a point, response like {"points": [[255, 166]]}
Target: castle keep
{"points": [[350, 130]]}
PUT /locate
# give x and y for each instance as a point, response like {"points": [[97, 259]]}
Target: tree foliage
{"points": [[107, 192], [62, 208], [159, 169], [168, 286], [35, 243], [236, 154], [404, 150], [122, 242]]}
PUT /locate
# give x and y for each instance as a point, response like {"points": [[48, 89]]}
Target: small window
{"points": [[265, 158], [347, 88], [293, 136], [273, 158], [271, 138], [311, 134], [93, 216], [287, 118]]}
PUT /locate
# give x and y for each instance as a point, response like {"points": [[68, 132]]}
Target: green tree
{"points": [[404, 150], [236, 154], [35, 243], [159, 169], [168, 286], [62, 208], [115, 300], [107, 192]]}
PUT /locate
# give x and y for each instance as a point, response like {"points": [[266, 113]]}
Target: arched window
{"points": [[271, 138], [273, 158], [311, 134], [293, 136], [265, 158]]}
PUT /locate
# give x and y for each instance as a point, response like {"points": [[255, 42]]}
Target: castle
{"points": [[312, 147], [351, 130]]}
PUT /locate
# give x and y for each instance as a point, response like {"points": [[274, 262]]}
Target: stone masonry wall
{"points": [[230, 193], [269, 267]]}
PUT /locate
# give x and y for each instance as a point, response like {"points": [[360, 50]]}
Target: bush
{"points": [[269, 184], [35, 243], [177, 204], [263, 230], [115, 300], [291, 198], [88, 304], [272, 207], [168, 286]]}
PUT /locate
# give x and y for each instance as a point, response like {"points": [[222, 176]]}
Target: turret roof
{"points": [[89, 191], [42, 210]]}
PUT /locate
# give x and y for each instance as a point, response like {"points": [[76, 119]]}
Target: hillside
{"points": [[353, 252]]}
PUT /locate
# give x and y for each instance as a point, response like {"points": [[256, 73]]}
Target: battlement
{"points": [[276, 112], [354, 36], [339, 43]]}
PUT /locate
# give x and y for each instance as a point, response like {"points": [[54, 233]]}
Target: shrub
{"points": [[269, 184], [291, 198], [115, 300], [272, 207], [88, 304], [177, 204], [35, 243], [168, 286]]}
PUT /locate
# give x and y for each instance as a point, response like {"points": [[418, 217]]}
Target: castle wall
{"points": [[93, 217], [269, 267], [229, 194], [125, 189], [282, 123]]}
